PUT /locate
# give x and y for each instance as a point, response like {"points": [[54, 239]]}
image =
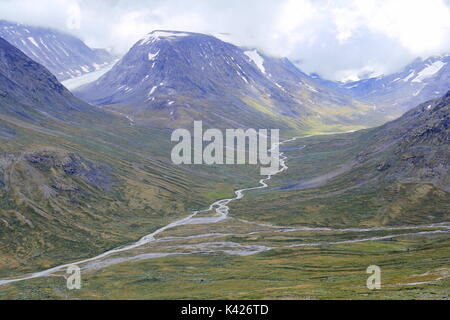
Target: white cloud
{"points": [[420, 26], [340, 39]]}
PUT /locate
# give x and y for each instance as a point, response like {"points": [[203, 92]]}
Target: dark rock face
{"points": [[64, 55], [418, 82], [72, 165], [427, 123]]}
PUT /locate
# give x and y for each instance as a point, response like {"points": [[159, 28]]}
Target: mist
{"points": [[340, 40]]}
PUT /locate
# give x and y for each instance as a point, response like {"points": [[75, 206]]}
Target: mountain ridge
{"points": [[64, 55], [175, 75], [396, 93], [30, 92]]}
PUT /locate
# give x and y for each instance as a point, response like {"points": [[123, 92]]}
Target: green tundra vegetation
{"points": [[76, 181]]}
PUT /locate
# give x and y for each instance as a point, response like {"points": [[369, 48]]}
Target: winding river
{"points": [[222, 209]]}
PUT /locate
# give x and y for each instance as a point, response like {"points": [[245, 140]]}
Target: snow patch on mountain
{"points": [[257, 59], [64, 55], [429, 71], [152, 91], [33, 41], [152, 56], [409, 76], [310, 88], [158, 35]]}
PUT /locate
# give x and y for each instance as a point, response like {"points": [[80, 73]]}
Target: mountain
{"points": [[419, 142], [418, 82], [170, 77], [29, 91], [395, 174], [64, 55], [76, 180]]}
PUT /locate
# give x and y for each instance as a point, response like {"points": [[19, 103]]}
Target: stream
{"points": [[222, 209]]}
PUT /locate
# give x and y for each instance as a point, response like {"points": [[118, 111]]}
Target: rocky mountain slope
{"points": [[30, 91], [396, 174], [419, 143], [64, 55], [172, 77]]}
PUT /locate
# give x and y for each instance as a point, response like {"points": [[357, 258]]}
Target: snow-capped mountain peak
{"points": [[176, 72], [418, 82], [64, 55], [162, 35], [429, 70]]}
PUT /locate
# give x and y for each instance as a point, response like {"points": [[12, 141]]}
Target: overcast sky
{"points": [[339, 39]]}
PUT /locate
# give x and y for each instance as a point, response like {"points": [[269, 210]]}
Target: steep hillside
{"points": [[419, 143], [170, 78], [29, 91], [64, 55], [396, 174]]}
